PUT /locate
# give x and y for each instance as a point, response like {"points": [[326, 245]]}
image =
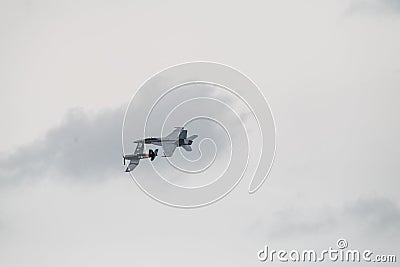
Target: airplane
{"points": [[138, 155], [177, 138]]}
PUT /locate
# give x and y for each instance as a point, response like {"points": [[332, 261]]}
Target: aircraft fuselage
{"points": [[160, 141], [137, 156]]}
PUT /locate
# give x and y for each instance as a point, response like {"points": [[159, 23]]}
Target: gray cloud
{"points": [[375, 6], [368, 216], [375, 215], [87, 146], [295, 222], [84, 146]]}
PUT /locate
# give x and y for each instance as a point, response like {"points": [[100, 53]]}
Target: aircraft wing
{"points": [[132, 164], [174, 135], [169, 149], [139, 148]]}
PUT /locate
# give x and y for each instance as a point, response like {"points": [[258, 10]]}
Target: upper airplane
{"points": [[177, 138], [138, 155]]}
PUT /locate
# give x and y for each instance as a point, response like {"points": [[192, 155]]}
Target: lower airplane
{"points": [[138, 155]]}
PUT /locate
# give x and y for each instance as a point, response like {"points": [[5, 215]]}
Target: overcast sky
{"points": [[330, 71]]}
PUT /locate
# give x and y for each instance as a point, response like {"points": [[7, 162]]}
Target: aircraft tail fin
{"points": [[183, 134]]}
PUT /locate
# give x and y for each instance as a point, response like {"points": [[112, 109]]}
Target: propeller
{"points": [[153, 154]]}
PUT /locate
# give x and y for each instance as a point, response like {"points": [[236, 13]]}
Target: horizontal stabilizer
{"points": [[187, 147], [193, 137]]}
